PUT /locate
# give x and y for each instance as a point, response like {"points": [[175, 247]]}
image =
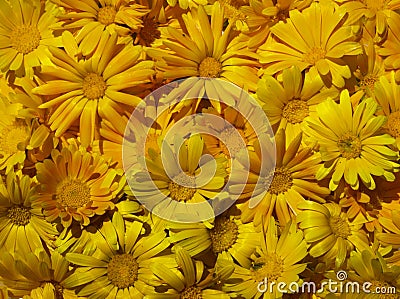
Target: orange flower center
{"points": [[270, 266], [94, 86], [393, 124], [281, 182], [224, 234], [210, 68], [123, 270], [315, 54], [12, 136], [295, 111], [106, 15], [72, 193], [19, 215], [191, 293], [349, 146], [340, 227], [25, 38], [233, 141], [149, 32]]}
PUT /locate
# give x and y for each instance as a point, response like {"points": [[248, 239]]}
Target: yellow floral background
{"points": [[327, 75]]}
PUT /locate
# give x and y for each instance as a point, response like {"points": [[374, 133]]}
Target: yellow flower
{"points": [[193, 281], [91, 19], [205, 49], [86, 89], [15, 134], [387, 94], [36, 275], [350, 142], [329, 232], [227, 139], [22, 223], [286, 103], [372, 269], [390, 236], [369, 206], [319, 46], [76, 185], [226, 237], [276, 260], [185, 4], [26, 35], [281, 191], [375, 12], [183, 192], [389, 49], [120, 266], [369, 68], [262, 15]]}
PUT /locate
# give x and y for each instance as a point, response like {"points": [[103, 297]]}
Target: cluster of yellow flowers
{"points": [[327, 76]]}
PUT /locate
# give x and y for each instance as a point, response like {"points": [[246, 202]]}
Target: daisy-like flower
{"points": [[389, 49], [262, 15], [350, 142], [22, 223], [185, 4], [375, 12], [329, 232], [234, 13], [15, 133], [275, 260], [287, 103], [387, 94], [369, 69], [282, 190], [189, 282], [90, 19], [372, 269], [84, 89], [320, 47], [76, 185], [171, 195], [36, 275], [120, 267], [26, 35], [368, 206], [227, 237], [238, 132], [205, 49], [390, 236]]}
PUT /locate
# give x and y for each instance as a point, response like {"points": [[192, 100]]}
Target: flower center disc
{"points": [[210, 67], [393, 124], [180, 193], [295, 111], [340, 227], [224, 234], [106, 15], [234, 139], [281, 182], [315, 54], [94, 86], [122, 270], [25, 38], [270, 267], [73, 193], [13, 135], [191, 293], [149, 32], [349, 146], [19, 215]]}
